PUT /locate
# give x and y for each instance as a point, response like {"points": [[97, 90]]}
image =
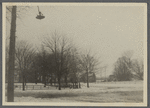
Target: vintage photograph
{"points": [[74, 54]]}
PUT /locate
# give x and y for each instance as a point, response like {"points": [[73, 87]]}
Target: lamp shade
{"points": [[40, 17]]}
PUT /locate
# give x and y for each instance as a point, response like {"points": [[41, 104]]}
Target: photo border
{"points": [[86, 104]]}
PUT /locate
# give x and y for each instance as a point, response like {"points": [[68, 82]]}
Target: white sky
{"points": [[107, 30]]}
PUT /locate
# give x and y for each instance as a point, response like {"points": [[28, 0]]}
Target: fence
{"points": [[119, 82], [41, 87], [32, 87]]}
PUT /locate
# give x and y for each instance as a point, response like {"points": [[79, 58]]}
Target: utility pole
{"points": [[105, 73], [101, 71], [11, 67], [87, 74]]}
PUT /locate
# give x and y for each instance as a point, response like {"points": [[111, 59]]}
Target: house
{"points": [[111, 78], [91, 76]]}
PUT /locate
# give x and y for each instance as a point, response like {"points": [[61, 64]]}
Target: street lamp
{"points": [[40, 16]]}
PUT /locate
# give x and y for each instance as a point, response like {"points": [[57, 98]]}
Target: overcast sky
{"points": [[107, 30]]}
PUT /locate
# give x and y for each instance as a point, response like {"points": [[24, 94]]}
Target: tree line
{"points": [[57, 62], [126, 68]]}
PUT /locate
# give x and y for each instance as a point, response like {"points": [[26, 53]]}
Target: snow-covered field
{"points": [[98, 92]]}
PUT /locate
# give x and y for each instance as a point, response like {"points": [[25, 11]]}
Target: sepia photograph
{"points": [[74, 54]]}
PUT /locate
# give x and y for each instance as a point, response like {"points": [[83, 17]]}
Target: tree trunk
{"points": [[55, 81], [79, 85], [35, 79], [45, 82], [51, 81], [76, 85], [44, 79], [23, 83], [59, 84], [10, 90], [87, 79], [20, 77], [66, 80], [73, 84]]}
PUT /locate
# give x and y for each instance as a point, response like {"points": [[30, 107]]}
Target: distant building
{"points": [[111, 78], [91, 76]]}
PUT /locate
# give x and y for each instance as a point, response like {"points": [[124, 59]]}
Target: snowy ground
{"points": [[98, 92]]}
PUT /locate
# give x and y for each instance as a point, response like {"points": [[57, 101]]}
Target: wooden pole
{"points": [[11, 67]]}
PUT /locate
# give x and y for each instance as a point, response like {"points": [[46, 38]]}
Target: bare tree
{"points": [[59, 46], [24, 58], [44, 64], [73, 66], [138, 69], [122, 70], [123, 67], [89, 64]]}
